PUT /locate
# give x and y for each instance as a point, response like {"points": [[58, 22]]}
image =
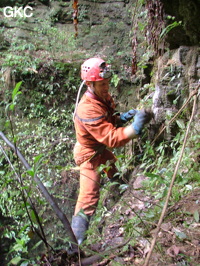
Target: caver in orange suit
{"points": [[96, 130], [95, 125]]}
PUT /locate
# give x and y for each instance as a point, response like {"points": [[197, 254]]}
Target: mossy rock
{"points": [[61, 13], [4, 44], [188, 12]]}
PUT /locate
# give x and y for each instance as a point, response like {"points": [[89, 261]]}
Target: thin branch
{"points": [[172, 182], [98, 257], [46, 194], [177, 114], [23, 194]]}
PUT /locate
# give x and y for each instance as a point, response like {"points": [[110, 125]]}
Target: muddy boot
{"points": [[80, 225]]}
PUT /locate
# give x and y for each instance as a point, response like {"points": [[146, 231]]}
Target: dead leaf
{"points": [[173, 251]]}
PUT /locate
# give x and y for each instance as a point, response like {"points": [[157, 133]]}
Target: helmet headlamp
{"points": [[104, 71], [95, 69]]}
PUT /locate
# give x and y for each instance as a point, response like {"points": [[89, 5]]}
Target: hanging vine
{"points": [[75, 16], [134, 42]]}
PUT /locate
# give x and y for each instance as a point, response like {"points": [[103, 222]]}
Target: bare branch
{"points": [[172, 182], [46, 194]]}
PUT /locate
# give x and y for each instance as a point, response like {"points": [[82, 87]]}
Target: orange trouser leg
{"points": [[90, 182]]}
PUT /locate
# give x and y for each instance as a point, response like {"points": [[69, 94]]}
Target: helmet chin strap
{"points": [[77, 98]]}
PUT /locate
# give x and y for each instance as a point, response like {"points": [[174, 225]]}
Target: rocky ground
{"points": [[121, 242]]}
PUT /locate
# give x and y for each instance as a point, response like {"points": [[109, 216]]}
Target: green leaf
{"points": [[37, 244], [123, 187], [33, 216], [169, 28], [15, 139], [112, 184], [180, 235], [196, 216], [18, 247], [180, 123], [31, 172], [37, 158], [25, 263], [16, 90], [12, 106], [9, 107], [152, 175], [15, 260], [20, 212]]}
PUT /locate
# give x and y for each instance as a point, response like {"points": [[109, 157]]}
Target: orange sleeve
{"points": [[107, 134]]}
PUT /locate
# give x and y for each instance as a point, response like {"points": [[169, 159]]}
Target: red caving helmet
{"points": [[95, 69]]}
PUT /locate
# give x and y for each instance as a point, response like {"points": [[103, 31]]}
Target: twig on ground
{"points": [[97, 257]]}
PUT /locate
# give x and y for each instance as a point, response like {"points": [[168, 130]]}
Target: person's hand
{"points": [[141, 118], [125, 117]]}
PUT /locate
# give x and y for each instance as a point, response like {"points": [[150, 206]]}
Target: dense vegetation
{"points": [[38, 87]]}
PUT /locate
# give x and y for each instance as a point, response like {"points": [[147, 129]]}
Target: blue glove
{"points": [[125, 117], [142, 117]]}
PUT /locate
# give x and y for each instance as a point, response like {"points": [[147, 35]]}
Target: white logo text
{"points": [[14, 12]]}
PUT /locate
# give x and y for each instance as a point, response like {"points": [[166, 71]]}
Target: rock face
{"points": [[105, 25], [177, 76], [107, 29], [188, 12]]}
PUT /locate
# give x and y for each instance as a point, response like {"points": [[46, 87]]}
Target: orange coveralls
{"points": [[95, 125]]}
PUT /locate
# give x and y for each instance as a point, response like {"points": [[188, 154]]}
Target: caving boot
{"points": [[80, 225]]}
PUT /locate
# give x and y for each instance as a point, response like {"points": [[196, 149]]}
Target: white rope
{"points": [[77, 98]]}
